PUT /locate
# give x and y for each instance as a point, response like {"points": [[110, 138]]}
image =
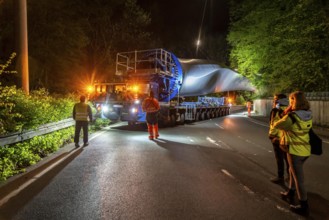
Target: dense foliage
{"points": [[15, 158], [281, 45], [71, 43], [19, 112]]}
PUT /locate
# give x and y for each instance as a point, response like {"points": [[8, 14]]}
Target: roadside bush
{"points": [[15, 158], [99, 123]]}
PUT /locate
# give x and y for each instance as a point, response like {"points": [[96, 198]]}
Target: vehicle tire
{"points": [[172, 120], [197, 116], [131, 123], [203, 116], [182, 119]]}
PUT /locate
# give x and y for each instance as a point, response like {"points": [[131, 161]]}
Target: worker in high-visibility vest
{"points": [[249, 105], [82, 115], [151, 106]]}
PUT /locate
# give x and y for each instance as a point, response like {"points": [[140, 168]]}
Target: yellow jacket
{"points": [[295, 127], [82, 112], [275, 116]]}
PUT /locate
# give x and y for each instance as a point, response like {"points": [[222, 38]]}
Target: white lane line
{"points": [[257, 122], [34, 178], [227, 173], [212, 141], [219, 126], [247, 189], [96, 135], [26, 184]]}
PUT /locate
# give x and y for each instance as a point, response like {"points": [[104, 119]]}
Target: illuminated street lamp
{"points": [[198, 42], [200, 29]]}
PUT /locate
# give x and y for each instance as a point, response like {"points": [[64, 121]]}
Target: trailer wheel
{"points": [[182, 119], [131, 123], [172, 120], [167, 121], [203, 116], [197, 116]]}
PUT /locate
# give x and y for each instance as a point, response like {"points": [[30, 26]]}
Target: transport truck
{"points": [[173, 82]]}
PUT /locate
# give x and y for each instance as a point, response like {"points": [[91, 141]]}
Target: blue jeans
{"points": [[297, 175]]}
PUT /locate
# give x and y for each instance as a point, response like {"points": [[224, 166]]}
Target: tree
{"points": [[70, 41], [281, 45]]}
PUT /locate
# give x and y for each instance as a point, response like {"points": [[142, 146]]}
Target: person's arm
{"points": [[284, 123], [73, 113]]}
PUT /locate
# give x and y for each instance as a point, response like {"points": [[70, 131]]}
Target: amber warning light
{"points": [[90, 89]]}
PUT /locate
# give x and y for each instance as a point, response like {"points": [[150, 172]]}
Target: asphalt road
{"points": [[214, 169]]}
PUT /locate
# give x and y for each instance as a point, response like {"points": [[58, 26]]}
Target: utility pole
{"points": [[23, 62]]}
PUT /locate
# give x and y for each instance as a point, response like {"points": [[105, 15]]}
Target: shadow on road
{"points": [[38, 182], [319, 206]]}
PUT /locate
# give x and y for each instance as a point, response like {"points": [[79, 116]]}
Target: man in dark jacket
{"points": [[280, 103], [82, 115]]}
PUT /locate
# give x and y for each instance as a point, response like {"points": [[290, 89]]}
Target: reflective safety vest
{"points": [[275, 116], [296, 135], [150, 105], [81, 111]]}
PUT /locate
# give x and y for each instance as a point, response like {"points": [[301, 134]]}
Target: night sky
{"points": [[176, 21]]}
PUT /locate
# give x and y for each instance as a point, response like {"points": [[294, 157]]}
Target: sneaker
{"points": [[151, 137], [77, 145], [277, 180], [157, 136], [86, 144]]}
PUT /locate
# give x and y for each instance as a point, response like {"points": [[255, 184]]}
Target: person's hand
{"points": [[287, 110]]}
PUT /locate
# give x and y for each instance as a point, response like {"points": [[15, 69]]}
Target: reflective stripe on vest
{"points": [[81, 112]]}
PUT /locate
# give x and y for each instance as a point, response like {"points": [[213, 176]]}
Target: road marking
{"points": [[259, 123], [248, 190], [227, 173], [212, 141], [36, 177], [96, 135], [219, 126]]}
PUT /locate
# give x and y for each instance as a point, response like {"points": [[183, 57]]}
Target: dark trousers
{"points": [[281, 159], [78, 126]]}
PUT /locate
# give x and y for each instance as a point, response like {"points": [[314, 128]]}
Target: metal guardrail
{"points": [[44, 129]]}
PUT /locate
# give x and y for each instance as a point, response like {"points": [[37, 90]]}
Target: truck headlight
{"points": [[105, 109], [134, 110]]}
